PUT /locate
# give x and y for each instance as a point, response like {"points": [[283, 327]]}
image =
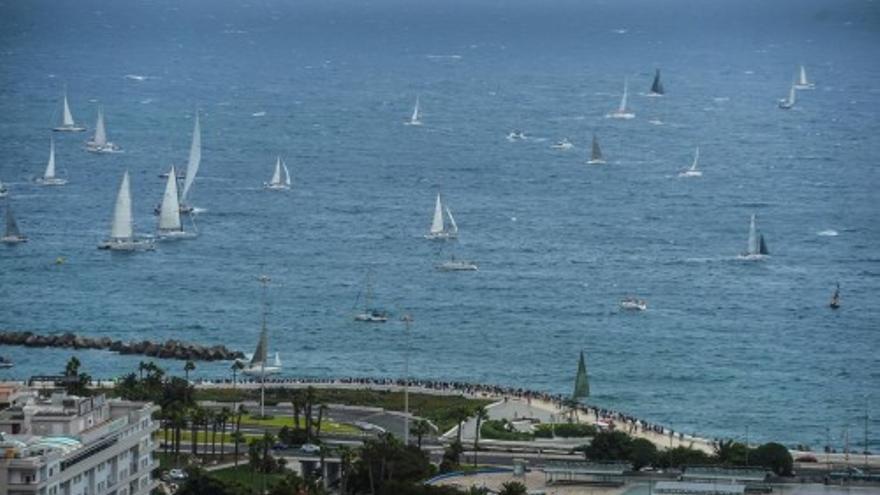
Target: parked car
{"points": [[280, 446], [177, 474], [310, 448], [806, 458]]}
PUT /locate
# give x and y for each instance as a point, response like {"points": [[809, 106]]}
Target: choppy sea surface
{"points": [[726, 346]]}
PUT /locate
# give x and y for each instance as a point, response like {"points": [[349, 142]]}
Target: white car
{"points": [[177, 474], [310, 448]]}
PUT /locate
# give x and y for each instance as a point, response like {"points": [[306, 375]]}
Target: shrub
{"points": [[773, 456], [502, 430], [565, 430]]}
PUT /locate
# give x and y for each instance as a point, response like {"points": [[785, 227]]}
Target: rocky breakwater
{"points": [[170, 349]]}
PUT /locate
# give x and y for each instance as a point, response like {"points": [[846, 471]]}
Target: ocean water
{"points": [[726, 345]]}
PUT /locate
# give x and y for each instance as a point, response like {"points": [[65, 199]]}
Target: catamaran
{"points": [[757, 247], [67, 123], [438, 227], [414, 119], [122, 229], [99, 143], [595, 153], [692, 171], [657, 86], [802, 82], [370, 314], [622, 112], [788, 103], [456, 265], [277, 183], [12, 234], [170, 225], [49, 178]]}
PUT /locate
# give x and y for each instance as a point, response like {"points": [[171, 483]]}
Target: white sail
{"points": [[276, 177], [68, 117], [169, 212], [122, 228], [696, 159], [452, 221], [791, 95], [195, 158], [415, 114], [286, 174], [753, 237], [100, 138], [803, 77], [623, 99], [437, 223], [50, 167]]}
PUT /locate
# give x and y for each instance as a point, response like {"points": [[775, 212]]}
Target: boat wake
{"points": [[137, 77], [828, 233], [258, 114]]}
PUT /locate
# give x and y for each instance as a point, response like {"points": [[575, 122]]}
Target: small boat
{"points": [[622, 112], [516, 135], [835, 298], [788, 103], [99, 142], [122, 229], [4, 191], [370, 314], [595, 153], [454, 265], [12, 235], [633, 304], [692, 171], [49, 178], [5, 363], [277, 183], [414, 119], [757, 247], [438, 226], [67, 123], [170, 225], [563, 144], [657, 86], [802, 82]]}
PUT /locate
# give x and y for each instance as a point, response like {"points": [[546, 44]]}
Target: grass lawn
{"points": [[243, 475], [186, 438], [281, 421]]}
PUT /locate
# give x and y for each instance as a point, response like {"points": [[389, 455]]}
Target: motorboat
{"points": [[5, 363], [454, 265], [99, 142], [516, 135], [563, 144], [49, 178], [633, 304]]}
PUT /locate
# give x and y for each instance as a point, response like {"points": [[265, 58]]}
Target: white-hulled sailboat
{"points": [[757, 248], [12, 235], [438, 226], [49, 178], [415, 119], [622, 112], [170, 224], [280, 177], [595, 153], [99, 143], [122, 229], [802, 82], [67, 123], [258, 364], [370, 314], [692, 171], [192, 165], [788, 103]]}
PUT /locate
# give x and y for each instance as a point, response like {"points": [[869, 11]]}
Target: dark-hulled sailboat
{"points": [[581, 382], [835, 299], [12, 234], [596, 153], [657, 86], [757, 246]]}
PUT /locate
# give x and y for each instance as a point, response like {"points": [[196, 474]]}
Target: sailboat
{"points": [[122, 229], [414, 119], [259, 365], [192, 165], [802, 82], [370, 314], [49, 178], [170, 225], [438, 226], [657, 86], [67, 123], [12, 234], [456, 265], [788, 103], [692, 171], [3, 190], [835, 298], [596, 153], [99, 143], [757, 247], [277, 183], [622, 112]]}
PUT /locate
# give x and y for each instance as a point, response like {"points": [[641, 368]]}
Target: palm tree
{"points": [[321, 410], [481, 414], [211, 420], [296, 400], [461, 414], [310, 401], [223, 417], [238, 439], [237, 435], [346, 456], [420, 428], [141, 367], [189, 366], [236, 367]]}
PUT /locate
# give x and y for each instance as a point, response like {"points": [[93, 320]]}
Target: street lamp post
{"points": [[264, 281]]}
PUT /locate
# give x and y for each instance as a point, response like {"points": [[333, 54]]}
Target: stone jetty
{"points": [[170, 349]]}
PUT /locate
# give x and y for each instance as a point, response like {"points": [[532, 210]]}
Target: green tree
{"points": [[189, 366], [451, 457], [609, 446], [76, 382], [201, 483], [294, 484], [730, 453], [773, 456], [460, 414], [420, 428], [223, 417], [480, 414], [513, 488], [642, 452], [237, 437], [682, 456], [384, 462]]}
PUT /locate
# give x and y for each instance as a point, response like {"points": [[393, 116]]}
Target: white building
{"points": [[69, 445]]}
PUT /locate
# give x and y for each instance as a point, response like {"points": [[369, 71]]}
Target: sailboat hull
{"points": [[456, 266], [261, 371], [596, 162], [752, 257], [370, 318], [691, 173], [106, 148], [174, 235], [441, 236], [13, 239], [69, 128], [275, 187], [54, 181], [621, 115], [127, 246]]}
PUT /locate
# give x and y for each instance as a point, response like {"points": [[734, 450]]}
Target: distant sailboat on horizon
{"points": [[170, 224], [692, 171], [757, 247], [657, 86], [122, 236], [596, 153], [12, 235], [788, 103], [415, 119], [67, 122], [802, 82], [99, 142], [622, 112], [280, 178], [438, 226], [49, 178]]}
